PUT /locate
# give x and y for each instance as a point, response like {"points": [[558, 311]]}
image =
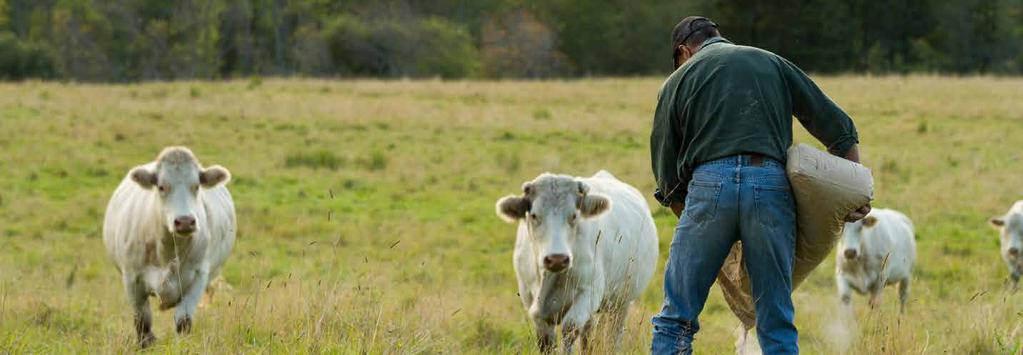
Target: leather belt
{"points": [[755, 159]]}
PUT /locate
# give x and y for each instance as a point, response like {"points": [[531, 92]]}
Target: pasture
{"points": [[366, 210]]}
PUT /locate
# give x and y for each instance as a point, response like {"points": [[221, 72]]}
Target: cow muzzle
{"points": [[850, 254], [556, 262], [184, 225]]}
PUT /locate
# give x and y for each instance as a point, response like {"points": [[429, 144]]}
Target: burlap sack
{"points": [[826, 189]]}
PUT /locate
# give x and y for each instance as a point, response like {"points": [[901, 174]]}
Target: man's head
{"points": [[688, 35]]}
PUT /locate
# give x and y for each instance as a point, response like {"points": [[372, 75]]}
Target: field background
{"points": [[366, 210]]}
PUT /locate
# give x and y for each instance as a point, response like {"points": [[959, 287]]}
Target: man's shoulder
{"points": [[674, 79], [739, 59], [748, 50], [670, 85]]}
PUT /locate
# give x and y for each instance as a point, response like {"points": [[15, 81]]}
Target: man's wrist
{"points": [[677, 208], [853, 153]]}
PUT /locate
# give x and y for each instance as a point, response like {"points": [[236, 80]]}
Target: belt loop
{"points": [[738, 167]]}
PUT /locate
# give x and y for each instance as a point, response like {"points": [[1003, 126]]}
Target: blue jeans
{"points": [[729, 200]]}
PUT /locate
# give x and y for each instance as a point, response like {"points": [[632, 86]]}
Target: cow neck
{"points": [[551, 299], [583, 249], [174, 248]]}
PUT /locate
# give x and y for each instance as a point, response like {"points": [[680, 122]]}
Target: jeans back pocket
{"points": [[702, 200], [775, 206]]}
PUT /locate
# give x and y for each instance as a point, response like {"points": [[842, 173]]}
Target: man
{"points": [[721, 129]]}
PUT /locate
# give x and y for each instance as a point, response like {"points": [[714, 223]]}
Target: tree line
{"points": [[138, 40]]}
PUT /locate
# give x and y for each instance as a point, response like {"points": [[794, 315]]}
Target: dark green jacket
{"points": [[728, 100]]}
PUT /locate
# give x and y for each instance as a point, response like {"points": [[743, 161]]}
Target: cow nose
{"points": [[555, 262], [850, 253], [184, 224], [1013, 251]]}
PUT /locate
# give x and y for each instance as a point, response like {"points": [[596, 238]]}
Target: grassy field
{"points": [[366, 220]]}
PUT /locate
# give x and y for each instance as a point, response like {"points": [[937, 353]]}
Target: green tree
{"points": [[20, 60], [127, 40], [77, 33], [447, 50], [5, 17]]}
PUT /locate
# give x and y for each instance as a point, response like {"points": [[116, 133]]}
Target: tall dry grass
{"points": [[366, 210]]}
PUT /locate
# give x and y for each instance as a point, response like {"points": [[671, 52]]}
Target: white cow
{"points": [[169, 227], [875, 252], [1011, 227], [584, 245]]}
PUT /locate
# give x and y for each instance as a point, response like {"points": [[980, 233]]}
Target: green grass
{"points": [[366, 218], [318, 159]]}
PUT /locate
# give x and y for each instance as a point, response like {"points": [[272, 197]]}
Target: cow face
{"points": [[852, 237], [1011, 228], [177, 179], [551, 207]]}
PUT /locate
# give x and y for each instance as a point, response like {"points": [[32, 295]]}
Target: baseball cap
{"points": [[685, 29]]}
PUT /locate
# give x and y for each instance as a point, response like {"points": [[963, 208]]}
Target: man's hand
{"points": [[677, 208], [858, 214], [853, 154]]}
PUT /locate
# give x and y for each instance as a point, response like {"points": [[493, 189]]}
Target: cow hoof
{"points": [[147, 340], [184, 325]]}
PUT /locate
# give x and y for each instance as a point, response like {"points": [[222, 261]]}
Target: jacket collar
{"points": [[713, 40]]}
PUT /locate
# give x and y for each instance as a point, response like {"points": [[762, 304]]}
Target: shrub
{"points": [[400, 48], [447, 50], [20, 59]]}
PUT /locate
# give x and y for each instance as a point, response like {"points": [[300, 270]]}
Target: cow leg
{"points": [[844, 291], [569, 334], [216, 285], [211, 290], [575, 323], [185, 311], [545, 336], [875, 298], [586, 338], [903, 295], [744, 343], [616, 325], [143, 315]]}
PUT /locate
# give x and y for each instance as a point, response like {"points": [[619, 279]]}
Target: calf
{"points": [[168, 229], [584, 246], [875, 252], [1011, 227]]}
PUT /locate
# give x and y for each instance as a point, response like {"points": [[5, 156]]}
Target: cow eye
{"points": [[572, 218], [163, 188], [535, 218]]}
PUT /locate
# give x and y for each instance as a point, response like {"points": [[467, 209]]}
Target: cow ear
{"points": [[213, 176], [144, 177], [594, 204], [997, 222], [527, 188], [869, 221], [583, 188], [512, 208]]}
